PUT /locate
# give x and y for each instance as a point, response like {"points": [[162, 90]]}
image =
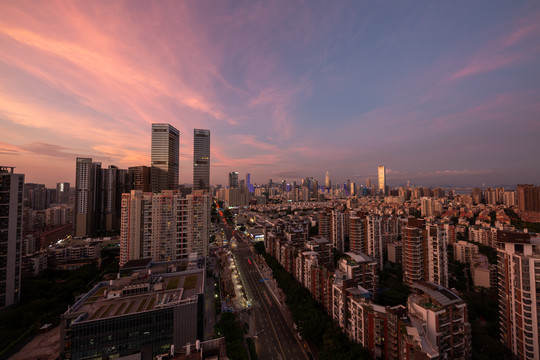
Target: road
{"points": [[276, 340]]}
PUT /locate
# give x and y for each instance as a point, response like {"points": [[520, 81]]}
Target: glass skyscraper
{"points": [[201, 159], [382, 180], [165, 157]]}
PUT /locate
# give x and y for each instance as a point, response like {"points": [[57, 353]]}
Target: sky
{"points": [[440, 92]]}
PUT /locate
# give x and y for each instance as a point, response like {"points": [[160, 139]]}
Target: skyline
{"points": [[437, 93]]}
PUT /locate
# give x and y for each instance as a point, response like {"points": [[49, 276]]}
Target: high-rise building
{"points": [[324, 221], [437, 244], [233, 180], [201, 159], [198, 220], [86, 181], [427, 206], [327, 183], [358, 233], [154, 225], [62, 193], [337, 235], [98, 195], [374, 241], [114, 182], [413, 251], [382, 180], [519, 285], [528, 197], [439, 322], [139, 178], [248, 183], [165, 157], [11, 204]]}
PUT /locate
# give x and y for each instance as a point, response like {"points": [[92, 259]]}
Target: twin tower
{"points": [[166, 154]]}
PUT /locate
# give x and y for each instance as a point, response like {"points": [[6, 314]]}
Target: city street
{"points": [[275, 339]]}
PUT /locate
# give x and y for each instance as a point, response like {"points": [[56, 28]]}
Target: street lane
{"points": [[276, 340]]}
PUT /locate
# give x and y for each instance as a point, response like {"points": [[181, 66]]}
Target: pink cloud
{"points": [[501, 52]]}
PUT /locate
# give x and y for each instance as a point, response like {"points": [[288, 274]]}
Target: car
{"points": [[299, 336]]}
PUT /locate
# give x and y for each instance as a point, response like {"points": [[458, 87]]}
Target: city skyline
{"points": [[441, 94]]}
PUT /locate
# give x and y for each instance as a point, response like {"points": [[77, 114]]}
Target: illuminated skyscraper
{"points": [[11, 203], [327, 183], [201, 159], [165, 157], [382, 179], [248, 183]]}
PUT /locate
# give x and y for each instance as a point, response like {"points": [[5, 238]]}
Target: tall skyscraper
{"points": [[11, 204], [201, 159], [86, 176], [165, 157], [248, 183], [519, 285], [327, 183], [233, 180], [62, 193], [382, 180]]}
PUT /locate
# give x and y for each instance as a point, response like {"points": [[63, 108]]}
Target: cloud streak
{"points": [[285, 87]]}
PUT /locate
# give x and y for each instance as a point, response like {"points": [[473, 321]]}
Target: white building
{"points": [[375, 244], [164, 226], [437, 242], [519, 285], [464, 251]]}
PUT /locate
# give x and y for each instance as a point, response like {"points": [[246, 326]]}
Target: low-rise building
{"points": [[142, 315]]}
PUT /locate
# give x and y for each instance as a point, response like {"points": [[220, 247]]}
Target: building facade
{"points": [[11, 203], [519, 286], [413, 251], [165, 157], [382, 180], [62, 193], [201, 159], [86, 186]]}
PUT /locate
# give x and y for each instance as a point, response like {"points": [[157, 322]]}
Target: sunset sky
{"points": [[441, 92]]}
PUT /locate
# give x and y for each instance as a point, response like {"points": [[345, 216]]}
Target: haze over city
{"points": [[438, 92]]}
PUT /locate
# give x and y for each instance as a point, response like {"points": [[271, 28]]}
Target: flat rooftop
{"points": [[142, 291], [438, 293]]}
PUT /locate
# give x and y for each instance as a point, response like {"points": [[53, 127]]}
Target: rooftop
{"points": [[144, 290], [440, 294]]}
